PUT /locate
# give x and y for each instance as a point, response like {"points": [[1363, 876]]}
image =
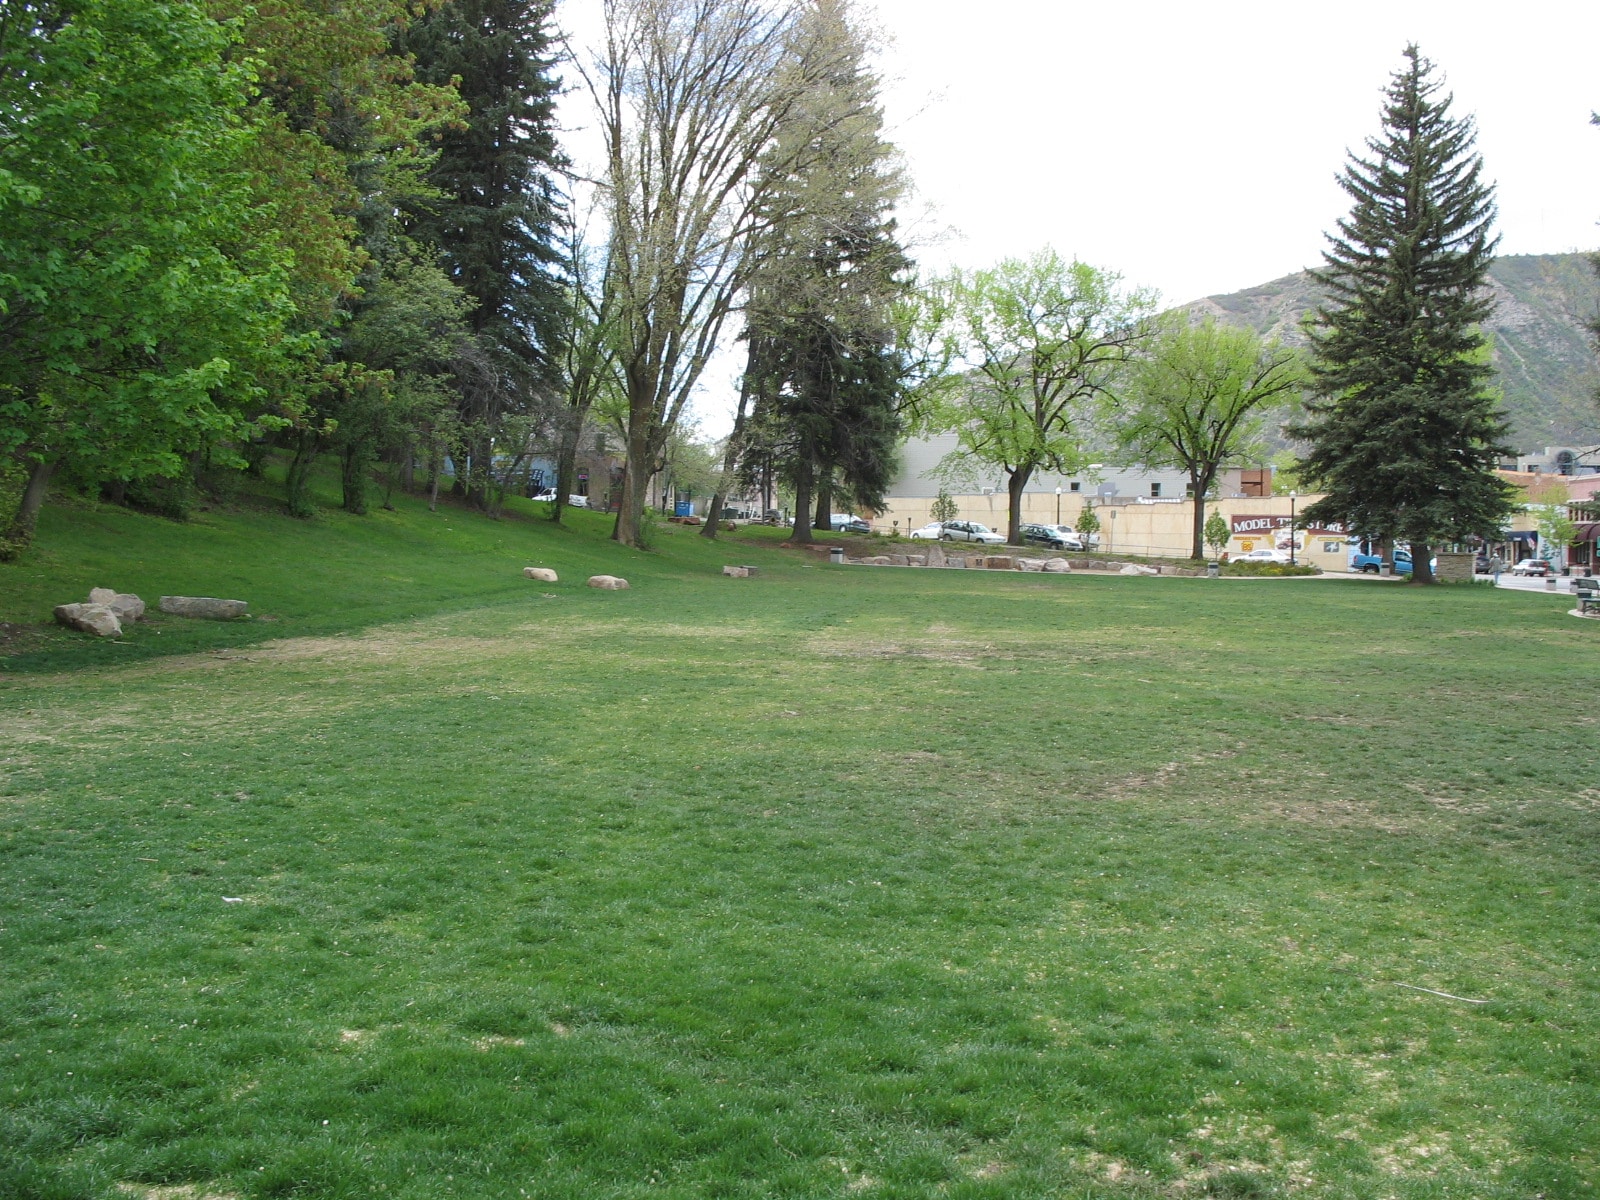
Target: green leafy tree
{"points": [[1406, 429], [1088, 523], [1216, 532], [1195, 401], [135, 319], [1552, 511], [1044, 340], [944, 507]]}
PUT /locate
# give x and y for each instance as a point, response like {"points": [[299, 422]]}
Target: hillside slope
{"points": [[1547, 362]]}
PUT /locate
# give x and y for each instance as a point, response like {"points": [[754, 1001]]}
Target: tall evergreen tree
{"points": [[494, 222], [823, 364], [1406, 427]]}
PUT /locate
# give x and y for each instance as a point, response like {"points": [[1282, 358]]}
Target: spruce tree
{"points": [[494, 220], [1406, 426], [823, 366]]}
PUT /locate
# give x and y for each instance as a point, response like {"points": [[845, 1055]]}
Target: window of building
{"points": [[1155, 489], [1075, 486]]}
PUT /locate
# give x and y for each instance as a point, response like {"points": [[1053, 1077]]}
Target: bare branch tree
{"points": [[690, 94]]}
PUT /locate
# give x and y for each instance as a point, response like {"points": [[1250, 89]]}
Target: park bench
{"points": [[1587, 590]]}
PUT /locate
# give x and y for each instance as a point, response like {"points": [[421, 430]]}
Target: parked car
{"points": [[970, 531], [929, 532], [577, 502], [544, 494], [848, 523], [1267, 554], [1532, 566], [1057, 537]]}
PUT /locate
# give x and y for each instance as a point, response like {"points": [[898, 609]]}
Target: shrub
{"points": [[1269, 569]]}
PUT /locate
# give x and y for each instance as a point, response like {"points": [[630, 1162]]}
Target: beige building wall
{"points": [[1137, 526]]}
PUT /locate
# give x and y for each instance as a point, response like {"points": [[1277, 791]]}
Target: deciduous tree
{"points": [[690, 94], [133, 315], [1195, 400], [1043, 341]]}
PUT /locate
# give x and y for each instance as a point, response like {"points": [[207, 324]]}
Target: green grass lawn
{"points": [[832, 882]]}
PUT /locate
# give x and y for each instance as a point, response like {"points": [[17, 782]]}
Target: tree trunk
{"points": [[26, 519], [1422, 563], [802, 508], [1199, 485], [823, 519], [730, 463], [114, 491], [353, 477], [635, 476], [1016, 481], [297, 482]]}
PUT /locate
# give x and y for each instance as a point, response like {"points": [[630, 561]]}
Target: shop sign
{"points": [[1261, 526]]}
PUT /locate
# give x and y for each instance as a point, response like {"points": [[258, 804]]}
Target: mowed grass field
{"points": [[834, 882]]}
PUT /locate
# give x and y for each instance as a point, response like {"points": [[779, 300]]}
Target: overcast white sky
{"points": [[1194, 147]]}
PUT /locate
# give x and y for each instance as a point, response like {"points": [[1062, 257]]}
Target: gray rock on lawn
{"points": [[609, 583], [1031, 564], [542, 574], [97, 619], [126, 605], [876, 560], [936, 555], [1136, 569], [736, 572], [1060, 565], [206, 608]]}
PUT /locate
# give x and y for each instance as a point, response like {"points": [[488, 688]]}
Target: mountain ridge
{"points": [[1548, 366]]}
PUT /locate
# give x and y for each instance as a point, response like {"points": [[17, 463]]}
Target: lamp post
{"points": [[1292, 496], [1058, 506], [1111, 534]]}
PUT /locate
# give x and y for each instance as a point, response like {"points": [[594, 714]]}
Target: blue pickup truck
{"points": [[1371, 564]]}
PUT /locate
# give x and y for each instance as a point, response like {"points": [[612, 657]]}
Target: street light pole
{"points": [[1291, 528], [1058, 506]]}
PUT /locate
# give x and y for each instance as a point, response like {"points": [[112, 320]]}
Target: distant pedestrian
{"points": [[1496, 565]]}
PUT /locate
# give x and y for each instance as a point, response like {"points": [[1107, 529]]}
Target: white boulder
{"points": [[97, 619], [542, 574], [609, 583]]}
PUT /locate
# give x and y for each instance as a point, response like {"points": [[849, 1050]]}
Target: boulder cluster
{"points": [[107, 609], [104, 613]]}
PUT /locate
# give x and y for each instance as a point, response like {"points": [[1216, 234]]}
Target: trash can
{"points": [[836, 554], [1213, 569]]}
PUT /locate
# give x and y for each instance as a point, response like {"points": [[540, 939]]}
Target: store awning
{"points": [[1589, 531]]}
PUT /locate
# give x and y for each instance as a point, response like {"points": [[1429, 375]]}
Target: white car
{"points": [[970, 531], [1266, 555], [928, 532]]}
